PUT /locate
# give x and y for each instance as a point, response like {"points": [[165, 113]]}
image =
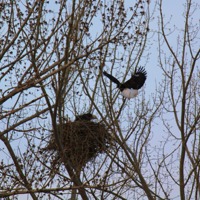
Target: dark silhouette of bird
{"points": [[87, 117], [130, 88]]}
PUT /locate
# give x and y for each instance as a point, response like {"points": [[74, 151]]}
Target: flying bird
{"points": [[130, 88]]}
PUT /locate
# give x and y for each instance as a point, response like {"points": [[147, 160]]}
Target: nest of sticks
{"points": [[82, 141]]}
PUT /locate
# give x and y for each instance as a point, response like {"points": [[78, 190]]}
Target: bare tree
{"points": [[180, 107], [52, 57]]}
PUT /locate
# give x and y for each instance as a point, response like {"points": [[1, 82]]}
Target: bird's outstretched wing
{"points": [[137, 80], [112, 78]]}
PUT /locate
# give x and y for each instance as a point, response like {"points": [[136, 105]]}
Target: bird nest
{"points": [[81, 141]]}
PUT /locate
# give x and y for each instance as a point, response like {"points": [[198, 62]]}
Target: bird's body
{"points": [[130, 88], [129, 93], [85, 117]]}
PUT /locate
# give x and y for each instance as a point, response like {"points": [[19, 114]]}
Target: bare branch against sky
{"points": [[66, 132]]}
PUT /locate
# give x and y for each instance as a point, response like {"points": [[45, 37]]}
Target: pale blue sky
{"points": [[173, 12]]}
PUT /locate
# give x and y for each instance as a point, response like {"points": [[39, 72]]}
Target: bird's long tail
{"points": [[112, 78]]}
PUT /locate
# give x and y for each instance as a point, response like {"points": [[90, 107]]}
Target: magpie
{"points": [[130, 88], [86, 117]]}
